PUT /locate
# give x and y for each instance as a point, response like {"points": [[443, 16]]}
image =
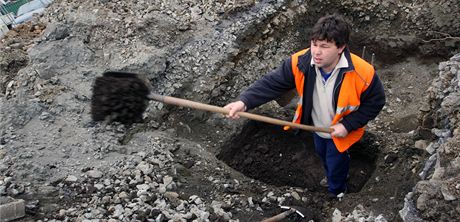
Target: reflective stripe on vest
{"points": [[341, 110], [354, 83]]}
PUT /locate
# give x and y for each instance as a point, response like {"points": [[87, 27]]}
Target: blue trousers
{"points": [[335, 163]]}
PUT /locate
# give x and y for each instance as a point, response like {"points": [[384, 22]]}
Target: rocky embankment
{"points": [[437, 195]]}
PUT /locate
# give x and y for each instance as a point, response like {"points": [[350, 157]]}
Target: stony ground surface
{"points": [[177, 164]]}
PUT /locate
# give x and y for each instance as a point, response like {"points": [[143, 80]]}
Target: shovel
{"points": [[300, 211], [124, 97]]}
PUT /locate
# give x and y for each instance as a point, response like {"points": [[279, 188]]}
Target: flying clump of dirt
{"points": [[119, 98]]}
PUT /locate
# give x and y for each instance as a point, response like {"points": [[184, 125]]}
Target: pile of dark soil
{"points": [[287, 158]]}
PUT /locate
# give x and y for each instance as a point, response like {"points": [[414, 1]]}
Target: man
{"points": [[337, 89]]}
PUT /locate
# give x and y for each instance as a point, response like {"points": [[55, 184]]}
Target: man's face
{"points": [[325, 54]]}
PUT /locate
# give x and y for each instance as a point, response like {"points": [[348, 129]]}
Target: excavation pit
{"points": [[286, 158]]}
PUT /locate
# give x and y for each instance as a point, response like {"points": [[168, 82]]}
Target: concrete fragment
{"points": [[167, 180], [421, 201], [447, 193], [428, 166], [380, 218], [71, 178], [409, 213], [94, 174], [11, 209], [146, 168], [420, 144], [336, 215], [431, 148], [295, 195], [438, 173]]}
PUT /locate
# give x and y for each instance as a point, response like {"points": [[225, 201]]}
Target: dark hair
{"points": [[331, 28]]}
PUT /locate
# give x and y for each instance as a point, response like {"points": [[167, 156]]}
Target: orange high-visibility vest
{"points": [[354, 83]]}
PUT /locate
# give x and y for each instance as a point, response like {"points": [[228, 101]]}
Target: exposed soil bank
{"points": [[280, 158]]}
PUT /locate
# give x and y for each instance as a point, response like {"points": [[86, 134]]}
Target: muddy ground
{"points": [[179, 164]]}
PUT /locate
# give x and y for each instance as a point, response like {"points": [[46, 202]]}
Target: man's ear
{"points": [[341, 48]]}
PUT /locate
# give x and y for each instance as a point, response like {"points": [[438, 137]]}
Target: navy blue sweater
{"points": [[281, 80]]}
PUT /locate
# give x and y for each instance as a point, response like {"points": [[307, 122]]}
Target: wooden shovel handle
{"points": [[216, 109], [280, 216]]}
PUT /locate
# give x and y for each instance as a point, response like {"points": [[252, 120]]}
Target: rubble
{"points": [[440, 184]]}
